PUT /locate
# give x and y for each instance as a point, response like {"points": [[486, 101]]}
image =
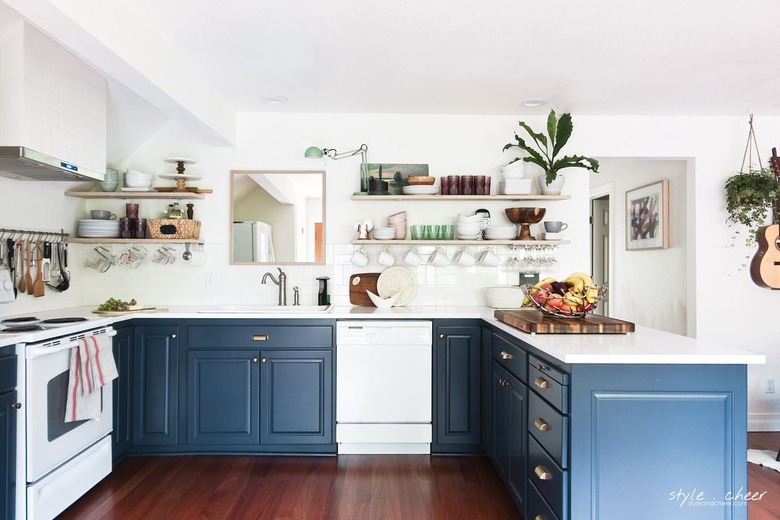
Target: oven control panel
{"points": [[6, 286]]}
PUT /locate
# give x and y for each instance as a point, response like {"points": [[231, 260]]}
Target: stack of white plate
{"points": [[500, 233], [384, 233], [514, 187], [91, 228], [421, 190]]}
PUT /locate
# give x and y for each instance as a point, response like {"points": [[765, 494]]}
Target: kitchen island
{"points": [[646, 425]]}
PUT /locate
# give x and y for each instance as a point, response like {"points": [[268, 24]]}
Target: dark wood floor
{"points": [[354, 487]]}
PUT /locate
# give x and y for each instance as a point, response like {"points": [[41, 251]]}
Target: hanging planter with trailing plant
{"points": [[751, 195]]}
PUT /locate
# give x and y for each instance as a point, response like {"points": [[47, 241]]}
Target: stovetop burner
{"points": [[20, 329], [63, 321], [24, 320]]}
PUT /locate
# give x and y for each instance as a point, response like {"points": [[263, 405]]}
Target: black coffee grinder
{"points": [[323, 297]]}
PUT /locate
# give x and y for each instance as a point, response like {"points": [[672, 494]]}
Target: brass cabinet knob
{"points": [[260, 337], [542, 382], [542, 368], [16, 406], [263, 360], [542, 473], [506, 355], [441, 336], [539, 517], [173, 336], [541, 425], [503, 382], [254, 360]]}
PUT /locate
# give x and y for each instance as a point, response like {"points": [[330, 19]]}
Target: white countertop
{"points": [[645, 346]]}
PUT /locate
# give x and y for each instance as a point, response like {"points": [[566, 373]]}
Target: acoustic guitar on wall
{"points": [[765, 266]]}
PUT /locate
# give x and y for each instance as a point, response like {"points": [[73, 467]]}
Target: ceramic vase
{"points": [[554, 188]]}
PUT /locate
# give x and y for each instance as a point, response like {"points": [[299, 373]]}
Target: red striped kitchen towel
{"points": [[91, 367]]}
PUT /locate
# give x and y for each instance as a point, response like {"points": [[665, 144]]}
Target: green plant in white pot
{"points": [[544, 151]]}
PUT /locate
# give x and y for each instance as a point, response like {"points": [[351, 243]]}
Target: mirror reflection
{"points": [[277, 217]]}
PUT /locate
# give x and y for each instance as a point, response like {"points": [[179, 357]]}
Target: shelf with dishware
{"points": [[400, 198], [456, 242], [110, 240], [138, 195]]}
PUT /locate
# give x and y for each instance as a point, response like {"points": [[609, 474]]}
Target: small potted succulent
{"points": [[545, 149], [749, 198]]}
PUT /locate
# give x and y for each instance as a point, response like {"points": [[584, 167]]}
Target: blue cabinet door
{"points": [[499, 423], [297, 397], [658, 441], [8, 418], [122, 435], [155, 385], [508, 409], [223, 393], [456, 386]]}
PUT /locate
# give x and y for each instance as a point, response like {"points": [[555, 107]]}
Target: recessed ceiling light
{"points": [[273, 99], [534, 102]]}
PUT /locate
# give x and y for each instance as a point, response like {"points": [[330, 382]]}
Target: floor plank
{"points": [[761, 479]]}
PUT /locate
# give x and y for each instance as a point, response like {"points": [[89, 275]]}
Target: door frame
{"points": [[596, 192]]}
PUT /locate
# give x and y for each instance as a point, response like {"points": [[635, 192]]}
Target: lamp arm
{"points": [[331, 152]]}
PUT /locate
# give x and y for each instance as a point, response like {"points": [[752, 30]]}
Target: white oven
{"points": [[63, 459]]}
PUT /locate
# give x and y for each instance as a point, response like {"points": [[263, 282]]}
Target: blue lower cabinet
{"points": [[297, 397], [8, 420], [457, 403], [156, 385], [122, 434], [223, 392], [508, 403]]}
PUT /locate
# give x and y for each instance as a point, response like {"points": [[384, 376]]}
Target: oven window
{"points": [[56, 396]]}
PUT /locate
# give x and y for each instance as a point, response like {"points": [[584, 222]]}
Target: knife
{"points": [[46, 262]]}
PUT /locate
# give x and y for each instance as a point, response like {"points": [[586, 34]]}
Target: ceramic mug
{"points": [[488, 258], [385, 258], [438, 258], [411, 258], [359, 258], [464, 258], [102, 214], [554, 226]]}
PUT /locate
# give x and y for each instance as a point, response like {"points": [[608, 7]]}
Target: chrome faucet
{"points": [[296, 296], [282, 283]]}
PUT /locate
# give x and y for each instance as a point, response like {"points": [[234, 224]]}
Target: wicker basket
{"points": [[169, 228]]}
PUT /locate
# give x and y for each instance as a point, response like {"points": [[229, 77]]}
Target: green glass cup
{"points": [[446, 232], [418, 232]]}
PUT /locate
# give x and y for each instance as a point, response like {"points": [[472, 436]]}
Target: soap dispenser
{"points": [[323, 298]]}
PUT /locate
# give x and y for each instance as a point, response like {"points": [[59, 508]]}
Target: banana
{"points": [[573, 298], [577, 284], [586, 279], [549, 279], [592, 295]]}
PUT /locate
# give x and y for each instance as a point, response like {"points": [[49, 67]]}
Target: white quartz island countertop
{"points": [[645, 346]]}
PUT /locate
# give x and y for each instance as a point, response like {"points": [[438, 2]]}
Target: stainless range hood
{"points": [[24, 164]]}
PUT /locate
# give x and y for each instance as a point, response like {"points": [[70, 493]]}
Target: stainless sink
{"points": [[266, 309]]}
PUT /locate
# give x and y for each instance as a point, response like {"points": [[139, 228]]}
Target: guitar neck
{"points": [[774, 163]]}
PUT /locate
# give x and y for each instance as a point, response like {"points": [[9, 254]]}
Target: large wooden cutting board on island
{"points": [[534, 322]]}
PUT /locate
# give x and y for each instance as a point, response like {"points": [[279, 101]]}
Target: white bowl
{"points": [[137, 183], [135, 173], [504, 297], [385, 303], [471, 218], [467, 228]]}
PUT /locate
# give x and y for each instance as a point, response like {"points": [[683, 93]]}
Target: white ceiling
{"points": [[605, 57]]}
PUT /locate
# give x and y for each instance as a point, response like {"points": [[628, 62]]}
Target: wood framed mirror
{"points": [[277, 217]]}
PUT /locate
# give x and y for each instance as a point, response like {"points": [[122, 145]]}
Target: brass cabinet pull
{"points": [[254, 360], [539, 517], [503, 382], [17, 406], [441, 336], [173, 336], [506, 355], [542, 368], [541, 425], [542, 473], [542, 382], [260, 337], [263, 360]]}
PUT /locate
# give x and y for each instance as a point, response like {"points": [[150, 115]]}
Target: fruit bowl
{"points": [[576, 302]]}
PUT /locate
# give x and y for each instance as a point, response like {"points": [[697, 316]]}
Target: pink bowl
{"points": [[397, 217]]}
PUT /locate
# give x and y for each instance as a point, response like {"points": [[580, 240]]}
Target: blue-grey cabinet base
{"points": [[457, 414], [8, 419], [122, 434]]}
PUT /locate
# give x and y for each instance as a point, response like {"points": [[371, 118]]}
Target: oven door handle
{"points": [[36, 352]]}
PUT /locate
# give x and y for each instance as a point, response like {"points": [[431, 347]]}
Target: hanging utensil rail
{"points": [[26, 234]]}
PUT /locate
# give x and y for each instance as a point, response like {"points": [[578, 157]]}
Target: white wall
{"points": [[647, 287], [723, 304]]}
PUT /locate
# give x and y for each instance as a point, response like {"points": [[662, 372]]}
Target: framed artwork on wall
{"points": [[647, 216]]}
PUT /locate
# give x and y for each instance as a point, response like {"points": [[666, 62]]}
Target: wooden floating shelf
{"points": [[109, 240], [458, 197], [127, 195], [523, 243]]}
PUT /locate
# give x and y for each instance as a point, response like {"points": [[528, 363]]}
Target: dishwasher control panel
{"points": [[375, 332]]}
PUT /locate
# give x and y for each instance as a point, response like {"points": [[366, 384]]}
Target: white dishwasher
{"points": [[383, 386]]}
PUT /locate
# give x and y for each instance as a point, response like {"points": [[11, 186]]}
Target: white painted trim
{"points": [[764, 422], [596, 192]]}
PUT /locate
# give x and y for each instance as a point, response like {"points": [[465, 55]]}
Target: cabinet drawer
{"points": [[549, 427], [510, 356], [260, 336], [548, 477], [538, 509], [549, 382], [7, 373]]}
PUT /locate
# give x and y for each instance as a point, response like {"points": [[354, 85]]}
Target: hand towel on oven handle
{"points": [[91, 367]]}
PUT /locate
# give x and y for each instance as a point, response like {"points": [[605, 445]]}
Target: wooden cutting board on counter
{"points": [[358, 285], [119, 313], [534, 322]]}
